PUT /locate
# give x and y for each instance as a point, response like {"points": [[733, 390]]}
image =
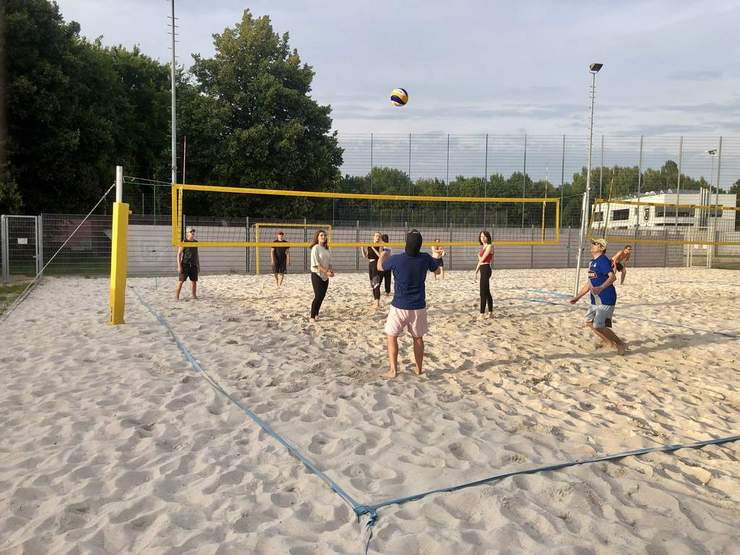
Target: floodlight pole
{"points": [[173, 103], [593, 69]]}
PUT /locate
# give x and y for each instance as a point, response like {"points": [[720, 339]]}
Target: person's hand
{"points": [[574, 300], [330, 273], [596, 290], [179, 269]]}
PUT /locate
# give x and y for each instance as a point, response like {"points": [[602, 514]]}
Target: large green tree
{"points": [[253, 115]]}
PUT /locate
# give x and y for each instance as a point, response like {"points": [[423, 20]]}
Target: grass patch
{"points": [[8, 293]]}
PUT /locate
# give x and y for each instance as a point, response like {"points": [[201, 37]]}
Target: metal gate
{"points": [[22, 246]]}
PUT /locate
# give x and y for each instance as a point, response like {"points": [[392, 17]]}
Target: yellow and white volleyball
{"points": [[399, 97]]}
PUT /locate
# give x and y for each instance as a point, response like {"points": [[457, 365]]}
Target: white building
{"points": [[655, 211]]}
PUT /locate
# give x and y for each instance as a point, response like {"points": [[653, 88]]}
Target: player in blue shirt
{"points": [[603, 295], [409, 308]]}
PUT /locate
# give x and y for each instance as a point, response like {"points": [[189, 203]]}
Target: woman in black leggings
{"points": [[485, 258], [372, 253], [321, 270]]}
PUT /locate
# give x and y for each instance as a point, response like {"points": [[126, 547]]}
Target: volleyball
{"points": [[399, 97]]}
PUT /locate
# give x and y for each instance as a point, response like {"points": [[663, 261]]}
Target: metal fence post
{"points": [[485, 182], [567, 249], [305, 240], [5, 244], [357, 240], [524, 177], [678, 184], [531, 247], [247, 249], [562, 184], [450, 235], [39, 245], [601, 167]]}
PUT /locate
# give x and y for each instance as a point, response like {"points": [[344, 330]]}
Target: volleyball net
{"points": [[241, 217], [667, 223]]}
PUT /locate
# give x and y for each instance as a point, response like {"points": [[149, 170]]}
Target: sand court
{"points": [[114, 443]]}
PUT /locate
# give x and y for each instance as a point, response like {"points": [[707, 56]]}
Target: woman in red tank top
{"points": [[485, 257]]}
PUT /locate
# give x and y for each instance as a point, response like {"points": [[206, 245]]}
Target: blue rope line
{"points": [[261, 423], [555, 466], [627, 316], [371, 511]]}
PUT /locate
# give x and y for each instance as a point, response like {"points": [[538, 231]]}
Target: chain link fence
{"points": [[475, 165]]}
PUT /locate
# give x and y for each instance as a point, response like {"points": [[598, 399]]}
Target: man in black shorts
{"points": [[188, 265], [280, 259], [619, 262]]}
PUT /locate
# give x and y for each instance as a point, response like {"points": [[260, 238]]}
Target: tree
{"points": [[254, 110], [75, 110]]}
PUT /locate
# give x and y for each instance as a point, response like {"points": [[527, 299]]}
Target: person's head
{"points": [[627, 249], [377, 237], [598, 247], [190, 233], [413, 242], [281, 236], [385, 238], [484, 238], [320, 238]]}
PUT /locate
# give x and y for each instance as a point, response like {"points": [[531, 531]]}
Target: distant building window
{"points": [[599, 217], [623, 214]]}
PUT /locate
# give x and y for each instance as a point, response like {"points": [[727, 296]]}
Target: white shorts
{"points": [[413, 320], [601, 315]]}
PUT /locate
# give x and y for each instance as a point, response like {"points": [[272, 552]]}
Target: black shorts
{"points": [[280, 267], [189, 272], [440, 262], [620, 266]]}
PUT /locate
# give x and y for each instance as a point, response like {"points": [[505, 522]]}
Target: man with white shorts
{"points": [[603, 295], [408, 309]]}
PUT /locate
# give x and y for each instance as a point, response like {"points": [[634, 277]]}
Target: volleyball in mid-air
{"points": [[399, 97]]}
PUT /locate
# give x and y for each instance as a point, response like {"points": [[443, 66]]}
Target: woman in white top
{"points": [[321, 270], [438, 255]]}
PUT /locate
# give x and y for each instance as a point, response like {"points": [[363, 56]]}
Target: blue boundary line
{"points": [[336, 488], [627, 316], [371, 510], [556, 466]]}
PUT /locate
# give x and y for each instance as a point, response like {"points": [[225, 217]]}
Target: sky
{"points": [[670, 66]]}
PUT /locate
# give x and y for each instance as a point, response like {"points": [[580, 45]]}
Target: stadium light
{"points": [[593, 69]]}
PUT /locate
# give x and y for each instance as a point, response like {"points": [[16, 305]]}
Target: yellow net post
{"points": [[119, 251]]}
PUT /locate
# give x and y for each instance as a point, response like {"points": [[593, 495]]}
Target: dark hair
{"points": [[384, 237], [487, 236], [627, 247], [315, 240]]}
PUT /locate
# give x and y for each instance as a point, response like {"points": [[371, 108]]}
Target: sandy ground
{"points": [[112, 443]]}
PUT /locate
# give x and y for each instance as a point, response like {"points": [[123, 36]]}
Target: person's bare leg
{"points": [[177, 291], [193, 288], [419, 355], [624, 274], [392, 357], [609, 336]]}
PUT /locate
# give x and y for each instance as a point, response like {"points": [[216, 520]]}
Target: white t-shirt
{"points": [[320, 256]]}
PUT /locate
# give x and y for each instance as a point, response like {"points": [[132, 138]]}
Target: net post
{"points": [[118, 259]]}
